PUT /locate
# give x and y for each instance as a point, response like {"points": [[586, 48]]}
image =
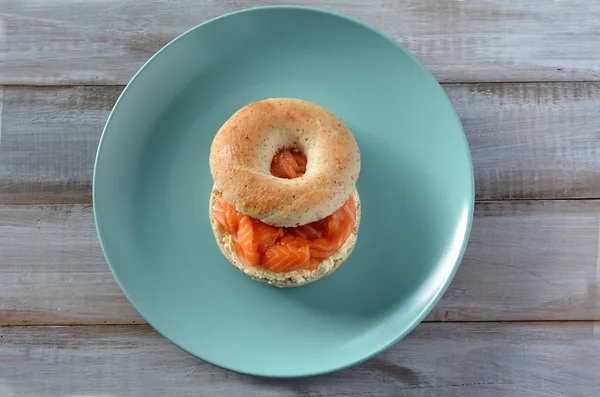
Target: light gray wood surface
{"points": [[532, 140], [524, 78], [442, 359], [49, 141], [52, 270], [526, 260], [105, 42], [527, 140]]}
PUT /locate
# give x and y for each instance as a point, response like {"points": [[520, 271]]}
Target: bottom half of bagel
{"points": [[296, 278]]}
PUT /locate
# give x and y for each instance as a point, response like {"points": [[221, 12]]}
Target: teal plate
{"points": [[152, 185]]}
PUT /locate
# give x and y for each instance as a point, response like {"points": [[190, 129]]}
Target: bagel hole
{"points": [[288, 163]]}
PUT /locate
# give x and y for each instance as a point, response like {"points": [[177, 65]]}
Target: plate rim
{"points": [[423, 311]]}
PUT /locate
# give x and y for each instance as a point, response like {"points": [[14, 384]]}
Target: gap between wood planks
{"points": [[144, 324], [453, 83], [88, 202]]}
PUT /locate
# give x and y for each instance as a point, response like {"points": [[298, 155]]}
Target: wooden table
{"points": [[522, 316]]}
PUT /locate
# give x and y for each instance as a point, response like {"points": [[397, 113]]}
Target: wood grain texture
{"points": [[528, 141], [49, 142], [105, 42], [441, 359], [526, 260], [52, 270]]}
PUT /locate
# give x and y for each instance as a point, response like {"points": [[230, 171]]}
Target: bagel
{"points": [[242, 150], [284, 208]]}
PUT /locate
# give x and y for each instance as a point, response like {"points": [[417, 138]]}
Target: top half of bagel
{"points": [[243, 148]]}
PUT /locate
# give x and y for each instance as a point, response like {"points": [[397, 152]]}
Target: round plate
{"points": [[152, 185]]}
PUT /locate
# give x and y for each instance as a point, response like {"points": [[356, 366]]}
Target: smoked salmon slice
{"points": [[285, 250], [227, 215], [288, 164], [284, 258], [339, 225], [265, 235], [245, 239], [293, 241], [309, 231]]}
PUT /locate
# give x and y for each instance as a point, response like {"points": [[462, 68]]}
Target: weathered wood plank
{"points": [[527, 140], [92, 42], [532, 140], [52, 270], [441, 359], [49, 141], [527, 260]]}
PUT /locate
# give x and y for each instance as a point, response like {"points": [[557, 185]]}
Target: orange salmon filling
{"points": [[283, 250], [288, 164]]}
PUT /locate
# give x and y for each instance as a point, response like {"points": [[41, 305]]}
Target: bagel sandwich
{"points": [[284, 207]]}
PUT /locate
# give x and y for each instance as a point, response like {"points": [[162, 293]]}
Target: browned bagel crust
{"points": [[243, 148]]}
